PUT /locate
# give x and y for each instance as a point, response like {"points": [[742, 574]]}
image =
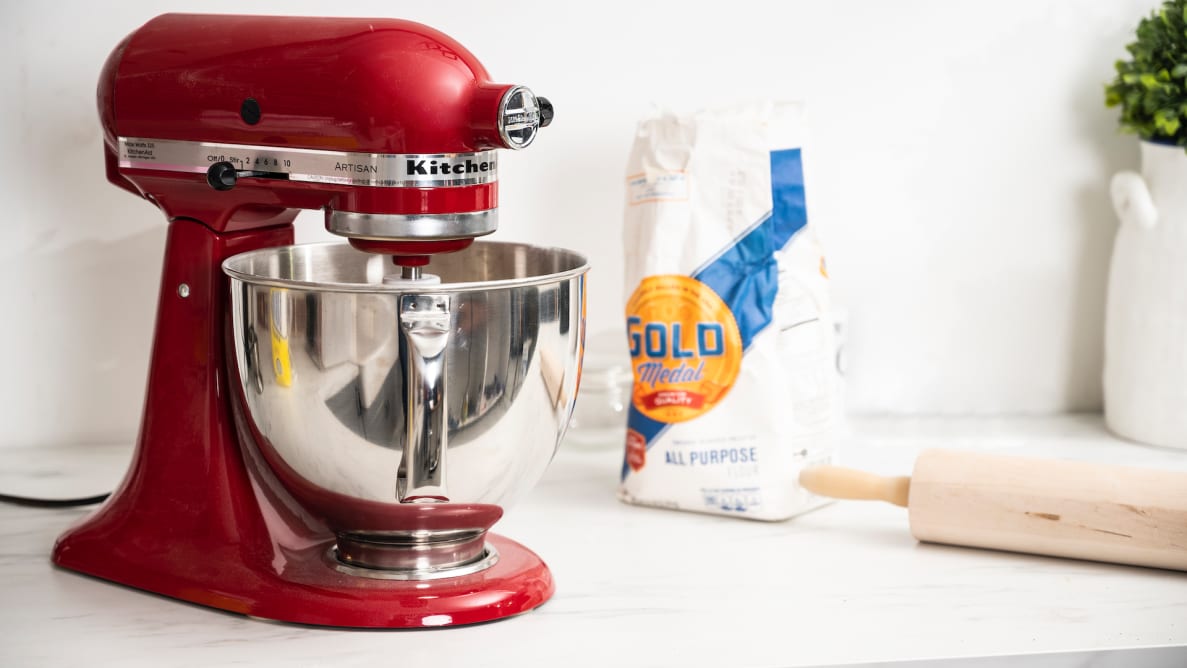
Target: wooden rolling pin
{"points": [[1057, 508]]}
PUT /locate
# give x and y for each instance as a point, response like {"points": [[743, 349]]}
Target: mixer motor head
{"points": [[391, 127]]}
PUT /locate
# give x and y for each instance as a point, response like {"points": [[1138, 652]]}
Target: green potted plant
{"points": [[1151, 86], [1145, 375]]}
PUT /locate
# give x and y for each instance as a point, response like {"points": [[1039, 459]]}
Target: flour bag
{"points": [[727, 316]]}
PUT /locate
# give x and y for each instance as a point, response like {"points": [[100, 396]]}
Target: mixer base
{"points": [[307, 589]]}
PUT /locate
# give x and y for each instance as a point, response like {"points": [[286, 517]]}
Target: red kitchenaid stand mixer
{"points": [[230, 125]]}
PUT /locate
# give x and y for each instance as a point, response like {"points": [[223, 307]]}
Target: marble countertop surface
{"points": [[636, 586]]}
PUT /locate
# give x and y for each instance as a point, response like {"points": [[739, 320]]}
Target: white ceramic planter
{"points": [[1145, 376]]}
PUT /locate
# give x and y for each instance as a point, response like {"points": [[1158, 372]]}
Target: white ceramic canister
{"points": [[1145, 375]]}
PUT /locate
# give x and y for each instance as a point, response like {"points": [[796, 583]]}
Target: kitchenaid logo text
{"points": [[446, 168]]}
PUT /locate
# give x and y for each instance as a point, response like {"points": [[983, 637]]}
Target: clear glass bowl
{"points": [[599, 418]]}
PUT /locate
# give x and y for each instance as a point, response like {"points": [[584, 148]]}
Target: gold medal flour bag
{"points": [[727, 316]]}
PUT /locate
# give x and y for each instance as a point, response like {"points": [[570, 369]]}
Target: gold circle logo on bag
{"points": [[685, 348]]}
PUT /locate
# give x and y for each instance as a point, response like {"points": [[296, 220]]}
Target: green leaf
{"points": [[1180, 71], [1148, 80], [1166, 120]]}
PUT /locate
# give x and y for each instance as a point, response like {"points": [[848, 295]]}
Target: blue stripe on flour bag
{"points": [[745, 275]]}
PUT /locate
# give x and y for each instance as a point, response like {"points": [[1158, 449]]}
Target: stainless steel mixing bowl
{"points": [[378, 403]]}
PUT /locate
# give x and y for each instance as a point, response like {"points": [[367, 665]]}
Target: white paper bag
{"points": [[727, 316]]}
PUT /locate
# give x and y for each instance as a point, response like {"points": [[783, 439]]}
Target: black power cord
{"points": [[31, 502]]}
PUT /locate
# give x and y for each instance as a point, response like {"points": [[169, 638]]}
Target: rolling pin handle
{"points": [[842, 483]]}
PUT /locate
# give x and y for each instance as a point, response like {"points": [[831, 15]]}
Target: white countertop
{"points": [[638, 586]]}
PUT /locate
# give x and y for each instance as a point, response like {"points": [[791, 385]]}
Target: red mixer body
{"points": [[200, 516], [394, 87]]}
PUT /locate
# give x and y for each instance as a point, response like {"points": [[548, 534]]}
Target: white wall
{"points": [[959, 174]]}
